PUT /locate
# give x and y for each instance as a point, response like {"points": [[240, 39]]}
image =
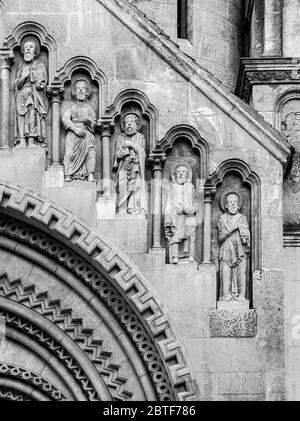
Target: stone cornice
{"points": [[204, 81], [266, 70]]}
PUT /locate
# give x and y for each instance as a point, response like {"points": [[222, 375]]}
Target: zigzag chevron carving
{"points": [[123, 276], [73, 327]]}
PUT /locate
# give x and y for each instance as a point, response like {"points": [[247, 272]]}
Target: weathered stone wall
{"points": [[225, 368]]}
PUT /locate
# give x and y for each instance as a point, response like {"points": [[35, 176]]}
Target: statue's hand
{"points": [[79, 132], [88, 121]]}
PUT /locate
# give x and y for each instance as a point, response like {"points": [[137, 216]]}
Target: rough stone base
{"points": [[106, 208], [128, 235], [24, 167], [233, 324], [54, 176], [78, 197]]}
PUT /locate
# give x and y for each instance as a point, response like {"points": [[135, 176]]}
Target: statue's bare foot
{"points": [[192, 259], [91, 178], [174, 261], [68, 179]]}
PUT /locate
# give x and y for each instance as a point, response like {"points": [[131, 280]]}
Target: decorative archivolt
{"points": [[112, 279]]}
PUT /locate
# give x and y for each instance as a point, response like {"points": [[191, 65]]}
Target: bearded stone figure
{"points": [[180, 215], [31, 98], [129, 163], [80, 122], [234, 236]]}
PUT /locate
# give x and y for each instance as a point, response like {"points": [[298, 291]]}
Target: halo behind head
{"points": [[189, 172], [225, 197], [35, 41], [87, 84]]}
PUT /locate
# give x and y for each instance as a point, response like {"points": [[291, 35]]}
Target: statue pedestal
{"points": [[233, 305], [54, 176], [24, 167], [106, 208], [125, 232]]}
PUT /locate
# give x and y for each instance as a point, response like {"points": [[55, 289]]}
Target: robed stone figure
{"points": [[180, 215], [234, 237], [31, 99], [80, 122], [129, 164]]}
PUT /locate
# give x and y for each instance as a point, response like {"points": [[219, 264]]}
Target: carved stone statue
{"points": [[234, 236], [180, 215], [31, 98], [80, 122], [130, 156]]}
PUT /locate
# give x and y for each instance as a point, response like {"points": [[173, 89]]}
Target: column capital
{"points": [[6, 58], [55, 93], [106, 126], [209, 191], [157, 159]]}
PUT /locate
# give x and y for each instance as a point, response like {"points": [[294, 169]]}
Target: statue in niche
{"points": [[31, 99], [80, 122], [180, 215], [129, 163], [234, 236]]}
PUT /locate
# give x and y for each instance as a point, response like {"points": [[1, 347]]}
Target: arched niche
{"points": [[235, 175], [69, 100], [287, 121], [149, 112], [80, 306], [47, 56], [82, 64], [183, 144], [13, 42]]}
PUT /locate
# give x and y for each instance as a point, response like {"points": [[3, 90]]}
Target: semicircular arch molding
{"points": [[100, 266]]}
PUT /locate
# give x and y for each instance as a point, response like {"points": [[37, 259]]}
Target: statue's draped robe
{"points": [[130, 166], [233, 251], [180, 227], [80, 152], [31, 103]]}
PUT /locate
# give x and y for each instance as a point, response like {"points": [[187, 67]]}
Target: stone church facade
{"points": [[149, 200]]}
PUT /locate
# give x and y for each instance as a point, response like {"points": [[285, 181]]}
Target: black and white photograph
{"points": [[149, 203]]}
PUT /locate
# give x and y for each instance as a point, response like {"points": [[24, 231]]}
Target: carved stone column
{"points": [[106, 207], [272, 28], [55, 173], [157, 160], [209, 192], [6, 60], [55, 94]]}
